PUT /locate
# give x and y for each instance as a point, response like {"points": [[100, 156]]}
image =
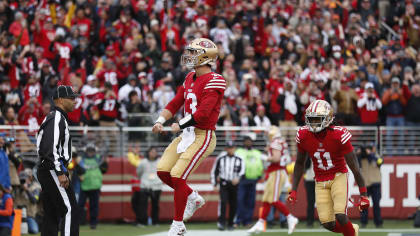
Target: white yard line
{"points": [[394, 232]]}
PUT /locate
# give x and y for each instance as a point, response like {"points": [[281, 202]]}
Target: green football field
{"points": [[391, 228]]}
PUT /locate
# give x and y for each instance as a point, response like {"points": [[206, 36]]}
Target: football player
{"points": [[201, 94], [330, 149], [276, 176]]}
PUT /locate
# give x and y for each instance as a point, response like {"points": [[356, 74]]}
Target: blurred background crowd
{"points": [[276, 56]]}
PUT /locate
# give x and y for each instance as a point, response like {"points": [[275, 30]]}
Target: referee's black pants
{"points": [[228, 195], [60, 206]]}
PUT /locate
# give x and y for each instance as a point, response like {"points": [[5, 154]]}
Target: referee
{"points": [[227, 171], [54, 151]]}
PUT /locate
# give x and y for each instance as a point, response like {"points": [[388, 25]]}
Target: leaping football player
{"points": [[278, 157], [201, 94], [330, 149]]}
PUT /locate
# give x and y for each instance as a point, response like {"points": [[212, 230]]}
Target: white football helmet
{"points": [[319, 115], [199, 52]]}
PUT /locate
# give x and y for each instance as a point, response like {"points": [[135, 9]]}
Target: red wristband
{"points": [[362, 190]]}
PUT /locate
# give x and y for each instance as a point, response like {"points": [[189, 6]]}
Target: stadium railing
{"points": [[118, 140]]}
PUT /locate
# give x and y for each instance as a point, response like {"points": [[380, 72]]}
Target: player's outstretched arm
{"points": [[354, 167], [297, 174], [165, 115]]}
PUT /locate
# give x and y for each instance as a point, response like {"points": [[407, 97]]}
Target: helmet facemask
{"points": [[317, 123], [190, 57]]}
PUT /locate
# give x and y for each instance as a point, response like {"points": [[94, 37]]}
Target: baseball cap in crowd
{"points": [[132, 77], [91, 77], [395, 80], [230, 143], [154, 22], [64, 91], [408, 69], [368, 85]]}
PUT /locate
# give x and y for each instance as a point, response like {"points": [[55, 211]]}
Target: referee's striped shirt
{"points": [[227, 168], [54, 141]]}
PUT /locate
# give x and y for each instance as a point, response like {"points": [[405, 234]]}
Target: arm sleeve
{"points": [[176, 103], [215, 171], [56, 129], [208, 102], [361, 102], [242, 170], [8, 209]]}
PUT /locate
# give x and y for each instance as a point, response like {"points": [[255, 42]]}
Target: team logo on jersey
{"points": [[320, 145], [205, 44]]}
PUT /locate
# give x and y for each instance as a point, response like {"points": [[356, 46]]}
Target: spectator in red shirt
{"points": [[29, 114], [33, 90], [19, 29], [82, 22], [369, 105]]}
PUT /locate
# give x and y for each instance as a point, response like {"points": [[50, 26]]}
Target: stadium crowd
{"points": [[276, 56]]}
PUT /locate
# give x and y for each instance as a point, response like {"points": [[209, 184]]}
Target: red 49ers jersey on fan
{"points": [[327, 149], [202, 97], [281, 145], [75, 115]]}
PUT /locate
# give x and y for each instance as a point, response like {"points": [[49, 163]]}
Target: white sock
{"points": [[261, 220], [193, 195], [289, 216], [177, 222]]}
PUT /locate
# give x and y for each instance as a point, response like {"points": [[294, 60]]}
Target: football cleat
{"points": [[259, 227], [177, 229], [318, 115], [291, 223], [194, 202]]}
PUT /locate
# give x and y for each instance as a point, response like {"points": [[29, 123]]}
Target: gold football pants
{"points": [[181, 165], [273, 186], [331, 197]]}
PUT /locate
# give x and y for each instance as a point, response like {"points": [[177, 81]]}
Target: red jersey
{"points": [[111, 76], [108, 107], [63, 50], [32, 90], [84, 26], [202, 97], [75, 115], [326, 149], [281, 145]]}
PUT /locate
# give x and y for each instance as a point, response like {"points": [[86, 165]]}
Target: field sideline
{"points": [[391, 228]]}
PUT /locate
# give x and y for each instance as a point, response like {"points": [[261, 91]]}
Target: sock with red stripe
{"points": [[281, 207], [348, 229], [337, 228], [165, 177], [182, 190], [265, 210]]}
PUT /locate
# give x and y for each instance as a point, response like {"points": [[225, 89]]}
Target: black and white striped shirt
{"points": [[227, 168], [54, 141]]}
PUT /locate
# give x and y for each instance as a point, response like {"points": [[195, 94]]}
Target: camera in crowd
{"points": [[369, 152], [7, 142]]}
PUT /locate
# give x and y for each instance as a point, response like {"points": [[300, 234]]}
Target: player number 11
{"points": [[327, 157]]}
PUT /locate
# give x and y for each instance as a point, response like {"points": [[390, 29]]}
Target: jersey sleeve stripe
{"points": [[347, 139], [224, 84], [345, 133], [345, 136], [214, 87], [217, 80]]}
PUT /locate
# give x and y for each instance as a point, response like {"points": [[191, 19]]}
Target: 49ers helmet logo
{"points": [[205, 44]]}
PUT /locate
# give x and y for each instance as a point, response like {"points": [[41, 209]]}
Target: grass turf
{"points": [[130, 230]]}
